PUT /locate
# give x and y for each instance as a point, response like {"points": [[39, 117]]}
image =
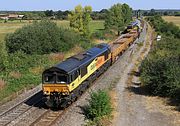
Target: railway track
{"points": [[16, 110], [50, 117]]}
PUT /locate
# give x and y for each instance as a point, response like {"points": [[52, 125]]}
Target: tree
{"points": [[103, 11], [86, 20], [76, 18], [152, 12], [80, 19], [49, 13], [62, 14], [59, 14], [126, 13], [165, 13], [117, 17], [138, 14]]}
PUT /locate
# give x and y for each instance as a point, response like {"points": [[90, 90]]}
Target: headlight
{"points": [[46, 92], [65, 93]]}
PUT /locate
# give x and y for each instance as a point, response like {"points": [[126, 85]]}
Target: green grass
{"points": [[11, 26], [64, 23], [96, 25]]}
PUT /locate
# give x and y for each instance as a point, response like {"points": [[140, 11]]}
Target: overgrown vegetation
{"points": [[22, 71], [161, 69], [41, 38], [104, 35], [99, 106], [3, 56], [25, 54]]}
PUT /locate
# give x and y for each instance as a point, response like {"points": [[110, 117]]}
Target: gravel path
{"points": [[131, 106]]}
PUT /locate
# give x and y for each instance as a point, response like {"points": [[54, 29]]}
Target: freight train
{"points": [[63, 83]]}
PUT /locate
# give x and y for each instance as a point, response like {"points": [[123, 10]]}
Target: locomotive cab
{"points": [[55, 80]]}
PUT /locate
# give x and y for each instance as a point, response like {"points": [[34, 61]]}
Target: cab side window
{"points": [[73, 76], [83, 71], [106, 55]]}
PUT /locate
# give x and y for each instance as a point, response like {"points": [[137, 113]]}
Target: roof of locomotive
{"points": [[136, 22], [76, 61]]}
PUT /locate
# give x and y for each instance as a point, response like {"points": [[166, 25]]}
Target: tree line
{"points": [[95, 15], [153, 12], [56, 15], [59, 15]]}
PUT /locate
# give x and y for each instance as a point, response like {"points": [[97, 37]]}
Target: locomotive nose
{"points": [[50, 88]]}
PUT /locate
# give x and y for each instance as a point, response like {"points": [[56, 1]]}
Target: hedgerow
{"points": [[160, 71], [41, 37]]}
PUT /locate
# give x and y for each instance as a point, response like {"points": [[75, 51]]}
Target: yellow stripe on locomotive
{"points": [[63, 80]]}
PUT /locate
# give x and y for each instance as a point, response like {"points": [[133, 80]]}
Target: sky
{"points": [[34, 5]]}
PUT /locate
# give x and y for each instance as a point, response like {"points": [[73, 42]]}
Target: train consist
{"points": [[63, 83]]}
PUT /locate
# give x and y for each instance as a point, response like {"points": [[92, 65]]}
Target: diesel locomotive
{"points": [[63, 83]]}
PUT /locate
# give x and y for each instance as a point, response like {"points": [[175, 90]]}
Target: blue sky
{"points": [[96, 4]]}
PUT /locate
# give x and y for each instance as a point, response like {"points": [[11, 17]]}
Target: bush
{"points": [[19, 61], [161, 75], [22, 71], [41, 37], [99, 105], [104, 34], [98, 34], [160, 71]]}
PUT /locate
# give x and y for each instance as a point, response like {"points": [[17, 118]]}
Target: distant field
{"points": [[173, 19], [11, 26]]}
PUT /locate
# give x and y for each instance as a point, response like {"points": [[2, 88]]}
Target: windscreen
{"points": [[61, 79], [49, 78]]}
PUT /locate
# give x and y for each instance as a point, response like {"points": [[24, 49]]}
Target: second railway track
{"points": [[18, 109]]}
